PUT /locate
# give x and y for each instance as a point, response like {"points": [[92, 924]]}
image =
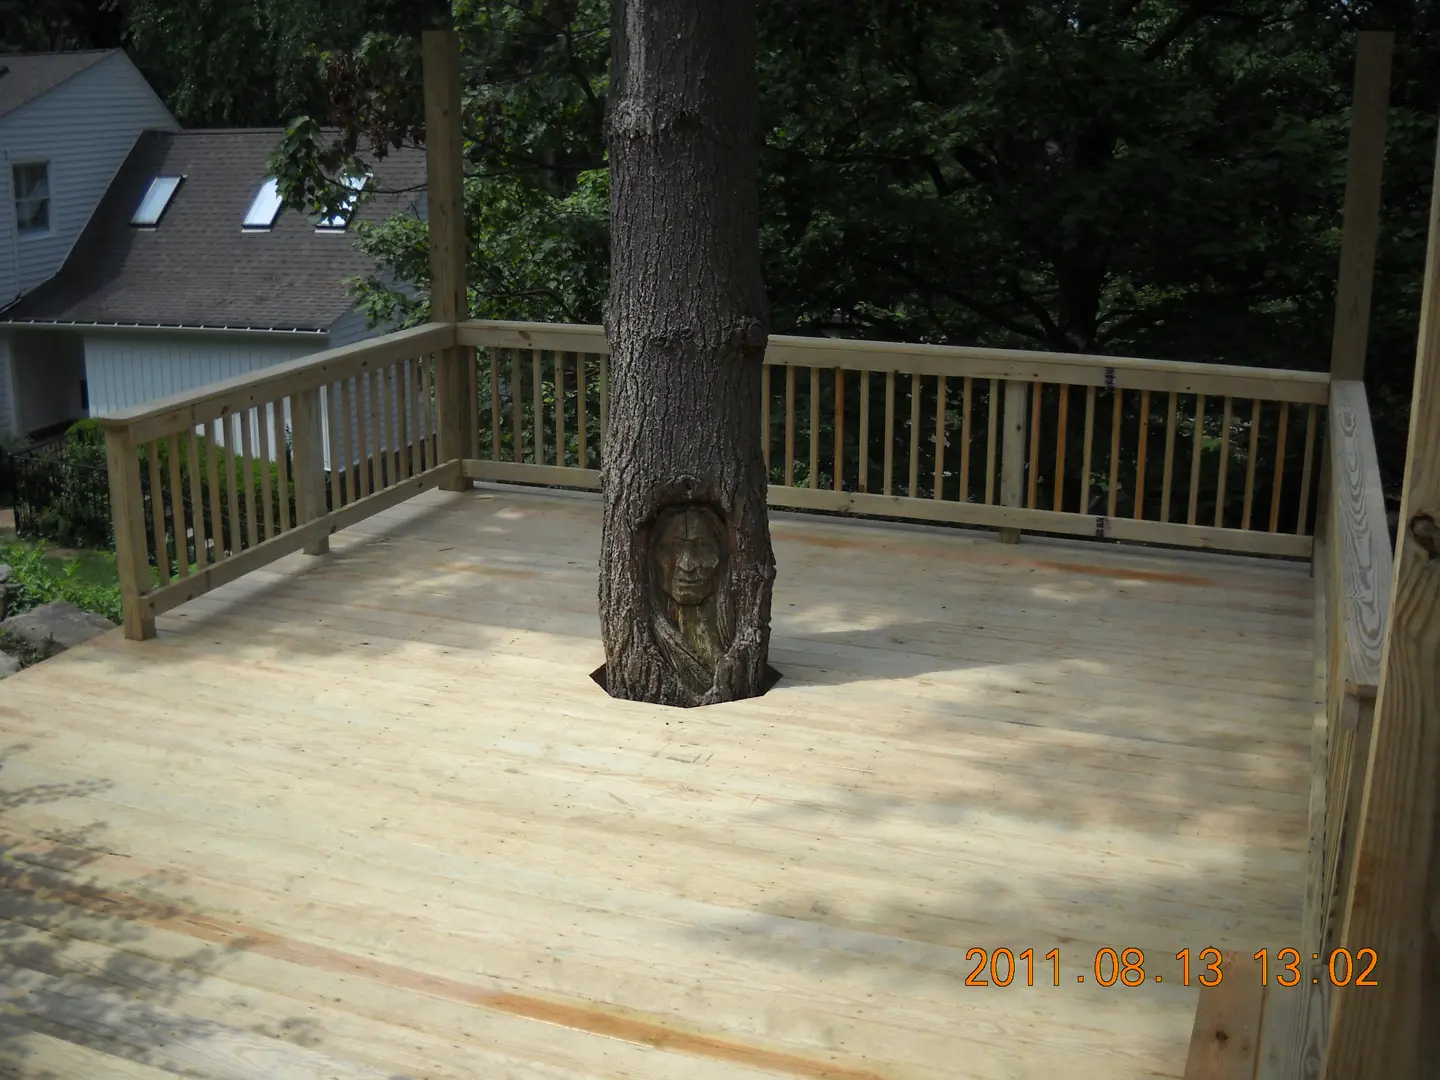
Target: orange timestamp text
{"points": [[1127, 967]]}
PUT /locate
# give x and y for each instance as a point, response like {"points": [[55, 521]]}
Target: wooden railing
{"points": [[1145, 450], [1354, 565], [210, 484]]}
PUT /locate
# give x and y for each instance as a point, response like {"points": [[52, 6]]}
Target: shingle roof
{"points": [[25, 76], [198, 268]]}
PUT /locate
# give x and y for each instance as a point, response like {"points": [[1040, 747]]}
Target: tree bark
{"points": [[686, 566]]}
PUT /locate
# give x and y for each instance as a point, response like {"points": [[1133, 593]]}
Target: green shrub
{"points": [[36, 580]]}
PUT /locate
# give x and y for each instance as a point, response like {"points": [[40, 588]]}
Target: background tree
{"points": [[685, 561]]}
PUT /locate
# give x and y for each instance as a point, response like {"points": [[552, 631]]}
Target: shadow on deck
{"points": [[366, 815]]}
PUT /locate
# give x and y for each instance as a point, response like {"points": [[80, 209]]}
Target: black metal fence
{"points": [[62, 492]]}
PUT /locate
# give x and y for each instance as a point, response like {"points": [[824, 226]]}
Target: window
{"points": [[337, 222], [266, 207], [152, 207], [32, 197]]}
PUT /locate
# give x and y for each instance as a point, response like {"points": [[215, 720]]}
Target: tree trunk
{"points": [[685, 561]]}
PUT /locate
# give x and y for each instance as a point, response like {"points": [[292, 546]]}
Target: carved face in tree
{"points": [[692, 622], [688, 554]]}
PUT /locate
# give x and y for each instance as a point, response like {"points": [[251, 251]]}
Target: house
{"points": [[176, 268]]}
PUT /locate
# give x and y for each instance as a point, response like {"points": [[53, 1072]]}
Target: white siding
{"points": [[9, 255], [85, 128], [127, 368], [8, 427]]}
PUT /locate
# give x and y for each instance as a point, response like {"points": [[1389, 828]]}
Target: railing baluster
{"points": [[417, 414], [939, 437], [814, 428], [1087, 452], [364, 439], [282, 466], [1169, 473], [993, 423], [197, 498], [1032, 490], [333, 428], [789, 426], [1250, 462], [157, 511], [965, 439], [582, 416], [1141, 452], [765, 417], [252, 512], [177, 510], [1224, 464], [864, 454], [538, 405], [1196, 452], [263, 459], [889, 430], [374, 450], [307, 440], [494, 404], [911, 491], [1059, 502], [517, 407], [472, 371], [427, 411], [1302, 519], [1117, 415], [559, 408], [404, 391], [839, 428], [212, 460], [386, 411], [604, 402], [234, 442], [1279, 466]]}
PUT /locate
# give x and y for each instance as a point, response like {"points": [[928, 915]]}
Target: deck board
{"points": [[365, 814]]}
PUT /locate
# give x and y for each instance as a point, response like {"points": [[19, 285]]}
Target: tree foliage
{"points": [[1154, 177]]}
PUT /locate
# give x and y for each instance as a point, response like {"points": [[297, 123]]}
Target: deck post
{"points": [[1012, 453], [1392, 905], [127, 509], [306, 433], [455, 415], [1362, 203]]}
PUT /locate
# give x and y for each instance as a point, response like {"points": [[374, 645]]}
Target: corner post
{"points": [[1392, 905], [306, 429], [127, 512], [455, 415], [1366, 163], [1012, 453]]}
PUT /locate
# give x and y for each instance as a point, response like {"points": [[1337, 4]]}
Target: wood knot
{"points": [[1426, 533]]}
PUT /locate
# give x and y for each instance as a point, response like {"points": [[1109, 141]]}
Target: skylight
{"points": [[266, 207], [157, 199], [337, 222]]}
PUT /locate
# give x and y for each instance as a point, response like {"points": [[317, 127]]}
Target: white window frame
{"points": [[34, 234]]}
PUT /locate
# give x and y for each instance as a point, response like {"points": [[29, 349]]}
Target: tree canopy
{"points": [[1151, 177]]}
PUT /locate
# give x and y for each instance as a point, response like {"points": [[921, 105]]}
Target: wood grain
{"points": [[1390, 1030]]}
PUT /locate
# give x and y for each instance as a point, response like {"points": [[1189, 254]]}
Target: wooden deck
{"points": [[366, 816]]}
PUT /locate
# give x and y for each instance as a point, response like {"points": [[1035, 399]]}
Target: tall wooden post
{"points": [[455, 410], [127, 507], [1388, 1030], [1362, 204]]}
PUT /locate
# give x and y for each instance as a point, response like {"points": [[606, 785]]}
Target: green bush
{"points": [[36, 580]]}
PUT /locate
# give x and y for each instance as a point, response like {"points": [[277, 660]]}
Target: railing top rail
{"points": [[1366, 559], [204, 403], [1271, 384]]}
